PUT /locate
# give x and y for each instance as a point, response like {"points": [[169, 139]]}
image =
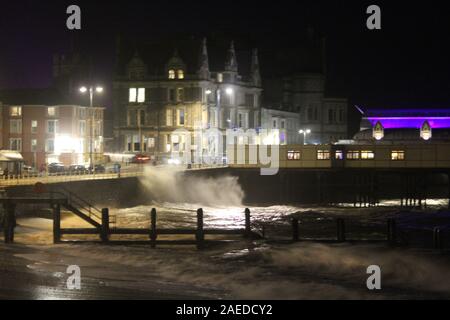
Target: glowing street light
{"points": [[229, 91], [304, 132]]}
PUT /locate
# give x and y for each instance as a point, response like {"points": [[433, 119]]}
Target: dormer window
{"points": [[171, 74], [180, 74]]}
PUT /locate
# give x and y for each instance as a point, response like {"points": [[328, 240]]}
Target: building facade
{"points": [[149, 109], [304, 93], [49, 134]]}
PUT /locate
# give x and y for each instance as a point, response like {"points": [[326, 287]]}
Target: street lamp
{"points": [[304, 133], [98, 90]]}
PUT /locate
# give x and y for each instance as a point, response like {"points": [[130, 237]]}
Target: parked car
{"points": [[28, 170], [113, 168], [56, 168], [140, 158], [98, 168], [77, 169]]}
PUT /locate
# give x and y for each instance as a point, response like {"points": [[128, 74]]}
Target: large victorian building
{"points": [[151, 103]]}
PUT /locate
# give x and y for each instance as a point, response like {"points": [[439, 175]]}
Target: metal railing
{"points": [[30, 179]]}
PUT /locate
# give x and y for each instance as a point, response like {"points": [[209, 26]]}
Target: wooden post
{"points": [[248, 229], [437, 239], [153, 234], [56, 223], [104, 234], [391, 232], [9, 222], [340, 230], [295, 229], [200, 235]]}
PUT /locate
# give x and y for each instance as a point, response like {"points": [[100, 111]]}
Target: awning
{"points": [[10, 156]]}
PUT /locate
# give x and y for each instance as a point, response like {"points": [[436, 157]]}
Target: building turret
{"points": [[255, 73], [203, 62], [176, 68], [231, 62], [136, 68]]}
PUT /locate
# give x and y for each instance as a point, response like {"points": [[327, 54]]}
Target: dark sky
{"points": [[405, 64]]}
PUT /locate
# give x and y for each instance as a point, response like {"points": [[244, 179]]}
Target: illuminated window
{"points": [[293, 155], [181, 117], [169, 117], [323, 154], [398, 155], [180, 74], [339, 155], [51, 111], [34, 125], [367, 155], [33, 145], [171, 74], [141, 95], [137, 95], [15, 126], [15, 111], [353, 155], [151, 143], [50, 145], [15, 144], [133, 95]]}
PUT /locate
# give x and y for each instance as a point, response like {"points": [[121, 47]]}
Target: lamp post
{"points": [[91, 90], [304, 132]]}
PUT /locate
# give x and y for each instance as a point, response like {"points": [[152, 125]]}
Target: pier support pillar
{"points": [[104, 235], [9, 222], [56, 223], [153, 235]]}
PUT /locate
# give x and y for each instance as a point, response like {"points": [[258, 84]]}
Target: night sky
{"points": [[406, 64]]}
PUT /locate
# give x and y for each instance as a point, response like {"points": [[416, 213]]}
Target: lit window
{"points": [[169, 117], [181, 118], [50, 145], [323, 154], [15, 144], [398, 155], [151, 143], [339, 155], [141, 95], [171, 74], [293, 155], [33, 145], [367, 155], [51, 111], [15, 126], [133, 95], [34, 125], [180, 74], [353, 155], [15, 111], [137, 95]]}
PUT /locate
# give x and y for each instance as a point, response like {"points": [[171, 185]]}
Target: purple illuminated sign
{"points": [[411, 122]]}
